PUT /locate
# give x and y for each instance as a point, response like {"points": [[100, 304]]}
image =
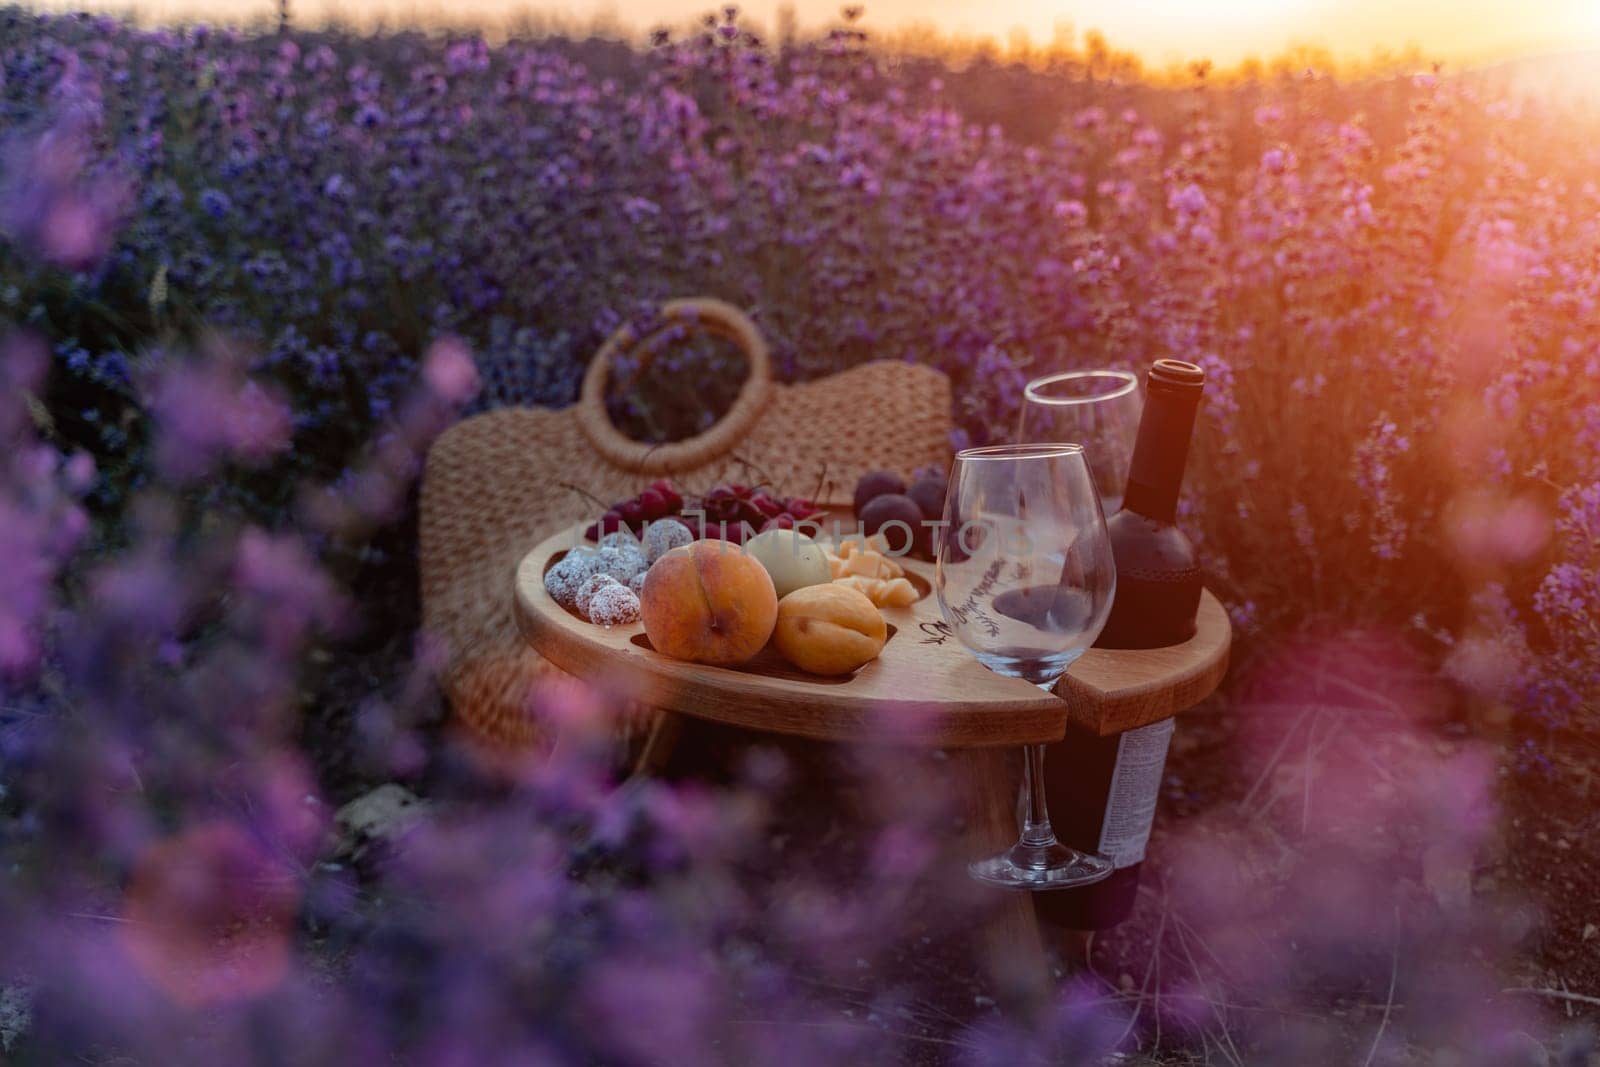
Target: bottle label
{"points": [[1135, 787]]}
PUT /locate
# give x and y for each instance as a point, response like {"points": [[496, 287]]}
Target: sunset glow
{"points": [[1159, 31]]}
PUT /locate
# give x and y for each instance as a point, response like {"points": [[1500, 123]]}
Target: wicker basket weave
{"points": [[494, 487]]}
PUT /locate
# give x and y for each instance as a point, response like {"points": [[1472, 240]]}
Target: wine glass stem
{"points": [[1036, 830]]}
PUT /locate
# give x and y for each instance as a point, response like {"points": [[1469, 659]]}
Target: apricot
{"points": [[708, 602], [828, 629]]}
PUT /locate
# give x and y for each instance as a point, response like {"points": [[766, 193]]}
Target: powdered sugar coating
{"points": [[591, 586], [664, 536], [614, 605], [622, 563], [620, 539], [563, 580], [637, 584]]}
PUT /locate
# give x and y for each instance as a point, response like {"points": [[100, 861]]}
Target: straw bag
{"points": [[496, 485]]}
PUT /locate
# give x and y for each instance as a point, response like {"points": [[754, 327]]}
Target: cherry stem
{"points": [[601, 504]]}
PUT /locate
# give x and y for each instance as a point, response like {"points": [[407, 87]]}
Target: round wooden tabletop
{"points": [[925, 687]]}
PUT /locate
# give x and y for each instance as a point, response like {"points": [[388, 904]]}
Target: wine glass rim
{"points": [[1036, 450], [1128, 382]]}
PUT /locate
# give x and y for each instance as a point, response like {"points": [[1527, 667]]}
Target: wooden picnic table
{"points": [[924, 689]]}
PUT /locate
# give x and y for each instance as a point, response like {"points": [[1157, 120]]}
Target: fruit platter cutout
{"points": [[822, 637], [918, 686], [710, 587], [577, 580], [781, 631]]}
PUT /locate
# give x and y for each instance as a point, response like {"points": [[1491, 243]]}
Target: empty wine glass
{"points": [[1025, 580], [1098, 409]]}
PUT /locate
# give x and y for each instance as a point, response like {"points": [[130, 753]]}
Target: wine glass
{"points": [[1099, 409], [1025, 579]]}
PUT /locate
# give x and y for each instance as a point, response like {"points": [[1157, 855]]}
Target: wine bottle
{"points": [[1158, 573], [1104, 789], [1102, 793]]}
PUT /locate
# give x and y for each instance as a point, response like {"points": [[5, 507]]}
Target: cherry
{"points": [[631, 511], [738, 532], [783, 521], [653, 505], [664, 487], [764, 504], [611, 522]]}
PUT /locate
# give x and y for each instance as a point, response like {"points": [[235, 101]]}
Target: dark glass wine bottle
{"points": [[1158, 573], [1103, 790]]}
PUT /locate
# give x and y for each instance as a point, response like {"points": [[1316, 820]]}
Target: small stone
{"points": [[586, 592], [614, 605], [380, 815], [16, 1015]]}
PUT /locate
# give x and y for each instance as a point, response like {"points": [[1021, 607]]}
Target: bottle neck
{"points": [[1155, 474]]}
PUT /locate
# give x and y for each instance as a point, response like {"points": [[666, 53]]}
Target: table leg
{"points": [[661, 739], [988, 779]]}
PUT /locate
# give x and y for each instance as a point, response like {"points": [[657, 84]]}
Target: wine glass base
{"points": [[1039, 868]]}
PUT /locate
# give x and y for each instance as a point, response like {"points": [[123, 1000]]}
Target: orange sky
{"points": [[1159, 30]]}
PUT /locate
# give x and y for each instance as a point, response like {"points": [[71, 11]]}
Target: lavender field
{"points": [[246, 279]]}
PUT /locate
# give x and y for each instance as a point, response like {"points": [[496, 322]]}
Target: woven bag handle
{"points": [[713, 316]]}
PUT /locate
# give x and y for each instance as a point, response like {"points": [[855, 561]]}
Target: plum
{"points": [[929, 492], [896, 508], [874, 484]]}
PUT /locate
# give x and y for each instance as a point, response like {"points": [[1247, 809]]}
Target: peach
{"points": [[829, 629], [708, 602]]}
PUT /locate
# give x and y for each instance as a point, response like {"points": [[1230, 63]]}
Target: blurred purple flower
{"points": [[449, 371], [56, 200], [209, 414]]}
